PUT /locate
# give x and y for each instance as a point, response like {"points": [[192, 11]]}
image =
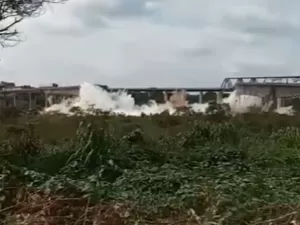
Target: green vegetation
{"points": [[161, 169]]}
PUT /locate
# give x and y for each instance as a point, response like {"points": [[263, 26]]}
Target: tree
{"points": [[12, 12]]}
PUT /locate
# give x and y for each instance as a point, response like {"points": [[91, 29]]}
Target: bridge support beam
{"points": [[219, 97], [46, 99], [30, 100], [200, 97], [15, 100], [280, 102]]}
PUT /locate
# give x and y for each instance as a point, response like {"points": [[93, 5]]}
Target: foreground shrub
{"points": [[189, 169]]}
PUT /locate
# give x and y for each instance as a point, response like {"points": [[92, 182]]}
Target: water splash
{"points": [[123, 103]]}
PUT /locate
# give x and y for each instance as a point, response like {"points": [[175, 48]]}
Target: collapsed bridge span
{"points": [[274, 95]]}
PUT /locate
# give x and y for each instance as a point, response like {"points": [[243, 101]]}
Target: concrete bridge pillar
{"points": [[200, 97], [280, 103], [46, 95], [2, 103], [51, 99], [219, 97], [30, 100], [15, 100]]}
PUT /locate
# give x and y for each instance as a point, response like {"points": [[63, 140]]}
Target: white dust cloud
{"points": [[123, 103]]}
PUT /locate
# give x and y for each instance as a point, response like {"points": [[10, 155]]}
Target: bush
{"points": [[197, 169]]}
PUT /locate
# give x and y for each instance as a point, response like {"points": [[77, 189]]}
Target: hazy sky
{"points": [[156, 43]]}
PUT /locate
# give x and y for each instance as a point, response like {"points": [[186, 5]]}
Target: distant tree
{"points": [[13, 12]]}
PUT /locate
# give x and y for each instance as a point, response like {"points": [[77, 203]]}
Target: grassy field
{"points": [[150, 170]]}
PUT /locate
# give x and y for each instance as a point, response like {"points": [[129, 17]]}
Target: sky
{"points": [[155, 43]]}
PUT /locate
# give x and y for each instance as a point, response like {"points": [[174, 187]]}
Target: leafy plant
{"points": [[200, 169]]}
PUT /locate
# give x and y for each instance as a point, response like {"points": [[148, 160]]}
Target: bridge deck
{"points": [[72, 89], [168, 89], [39, 89]]}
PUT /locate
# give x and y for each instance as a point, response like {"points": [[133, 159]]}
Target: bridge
{"points": [[228, 85], [74, 90], [267, 87]]}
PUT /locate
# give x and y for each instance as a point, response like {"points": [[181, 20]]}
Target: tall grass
{"points": [[160, 169]]}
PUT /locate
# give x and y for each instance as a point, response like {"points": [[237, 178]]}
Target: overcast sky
{"points": [[156, 42]]}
